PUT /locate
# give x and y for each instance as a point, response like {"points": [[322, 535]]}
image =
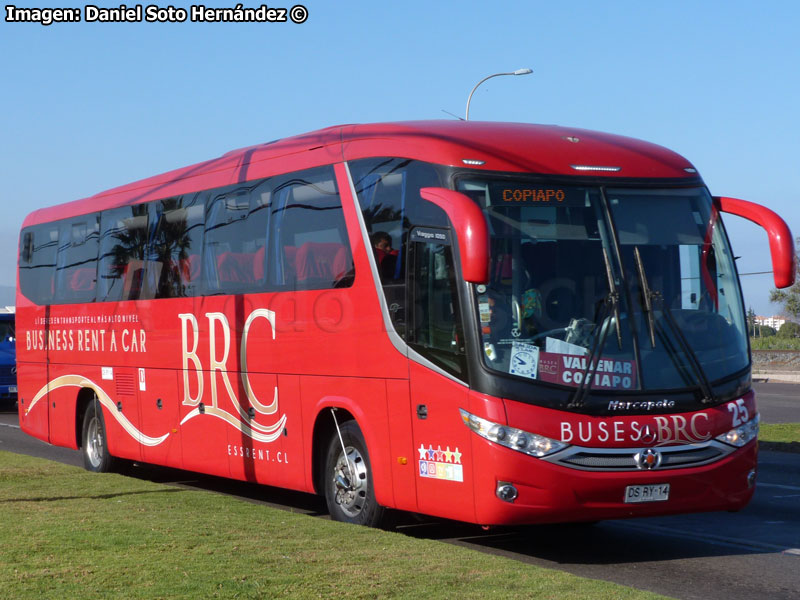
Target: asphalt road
{"points": [[751, 554], [778, 402]]}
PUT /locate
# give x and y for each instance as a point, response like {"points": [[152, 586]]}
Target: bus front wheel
{"points": [[349, 490], [94, 441]]}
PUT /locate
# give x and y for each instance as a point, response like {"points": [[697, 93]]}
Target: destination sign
{"points": [[508, 193]]}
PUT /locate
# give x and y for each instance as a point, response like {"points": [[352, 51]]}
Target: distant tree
{"points": [[789, 330], [766, 331], [751, 321], [789, 297]]}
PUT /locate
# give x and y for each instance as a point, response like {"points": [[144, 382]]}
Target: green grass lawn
{"points": [[67, 533], [779, 432], [774, 343], [784, 437]]}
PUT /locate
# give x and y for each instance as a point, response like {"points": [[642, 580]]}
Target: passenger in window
{"points": [[382, 241], [385, 255]]}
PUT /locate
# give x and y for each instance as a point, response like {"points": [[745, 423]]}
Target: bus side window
{"points": [[308, 233], [388, 195], [175, 250], [76, 262], [435, 330], [123, 243], [235, 238], [37, 264]]}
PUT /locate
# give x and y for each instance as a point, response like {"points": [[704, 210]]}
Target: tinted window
{"points": [[435, 328], [235, 238], [175, 251], [388, 194], [37, 262], [123, 242], [309, 237], [76, 261], [211, 242]]}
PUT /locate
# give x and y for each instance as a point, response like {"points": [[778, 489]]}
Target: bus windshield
{"points": [[608, 289]]}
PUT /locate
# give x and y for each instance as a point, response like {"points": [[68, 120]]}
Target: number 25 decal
{"points": [[740, 413]]}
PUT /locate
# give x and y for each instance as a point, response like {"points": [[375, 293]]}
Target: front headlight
{"points": [[739, 436], [510, 437]]}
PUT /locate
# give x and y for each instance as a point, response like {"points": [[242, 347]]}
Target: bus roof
{"points": [[491, 146]]}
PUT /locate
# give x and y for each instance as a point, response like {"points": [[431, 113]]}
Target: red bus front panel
{"points": [[590, 481]]}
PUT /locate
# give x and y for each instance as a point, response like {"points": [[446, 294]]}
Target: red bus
{"points": [[494, 323]]}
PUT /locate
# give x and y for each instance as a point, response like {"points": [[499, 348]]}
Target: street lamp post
{"points": [[517, 72]]}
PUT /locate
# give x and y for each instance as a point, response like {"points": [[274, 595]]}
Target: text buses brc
{"points": [[495, 323]]}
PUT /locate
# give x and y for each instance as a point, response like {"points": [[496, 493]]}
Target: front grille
{"points": [[588, 460], [623, 459], [691, 458]]}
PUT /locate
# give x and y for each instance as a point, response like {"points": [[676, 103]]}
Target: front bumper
{"points": [[551, 493]]}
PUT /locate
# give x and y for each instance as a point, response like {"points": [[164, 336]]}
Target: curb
{"points": [[777, 377]]}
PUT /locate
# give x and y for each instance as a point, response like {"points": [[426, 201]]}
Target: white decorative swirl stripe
{"points": [[275, 430], [245, 418], [104, 399], [260, 433]]}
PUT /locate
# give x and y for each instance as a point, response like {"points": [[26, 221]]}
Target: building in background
{"points": [[775, 321]]}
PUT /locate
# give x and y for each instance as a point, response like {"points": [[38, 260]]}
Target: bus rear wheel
{"points": [[96, 457], [349, 490]]}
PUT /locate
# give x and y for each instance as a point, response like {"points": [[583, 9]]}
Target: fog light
{"points": [[751, 478], [506, 491]]}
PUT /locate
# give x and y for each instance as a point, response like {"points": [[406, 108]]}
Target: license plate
{"points": [[647, 493]]}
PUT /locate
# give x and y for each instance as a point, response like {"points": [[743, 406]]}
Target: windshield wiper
{"points": [[702, 379], [613, 296], [648, 297], [611, 309], [610, 304]]}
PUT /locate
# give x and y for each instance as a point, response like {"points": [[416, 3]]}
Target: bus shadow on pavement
{"points": [[605, 543], [792, 447]]}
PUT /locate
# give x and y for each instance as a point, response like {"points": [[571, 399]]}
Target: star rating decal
{"points": [[435, 463], [438, 455]]}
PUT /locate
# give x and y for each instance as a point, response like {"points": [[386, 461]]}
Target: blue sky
{"points": [[90, 106]]}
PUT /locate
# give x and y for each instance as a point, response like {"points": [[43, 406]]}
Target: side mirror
{"points": [[781, 243], [470, 228]]}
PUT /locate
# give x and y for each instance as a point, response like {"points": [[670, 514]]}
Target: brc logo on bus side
{"points": [[217, 363], [668, 429]]}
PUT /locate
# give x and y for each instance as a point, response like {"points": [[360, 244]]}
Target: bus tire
{"points": [[351, 501], [94, 440]]}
